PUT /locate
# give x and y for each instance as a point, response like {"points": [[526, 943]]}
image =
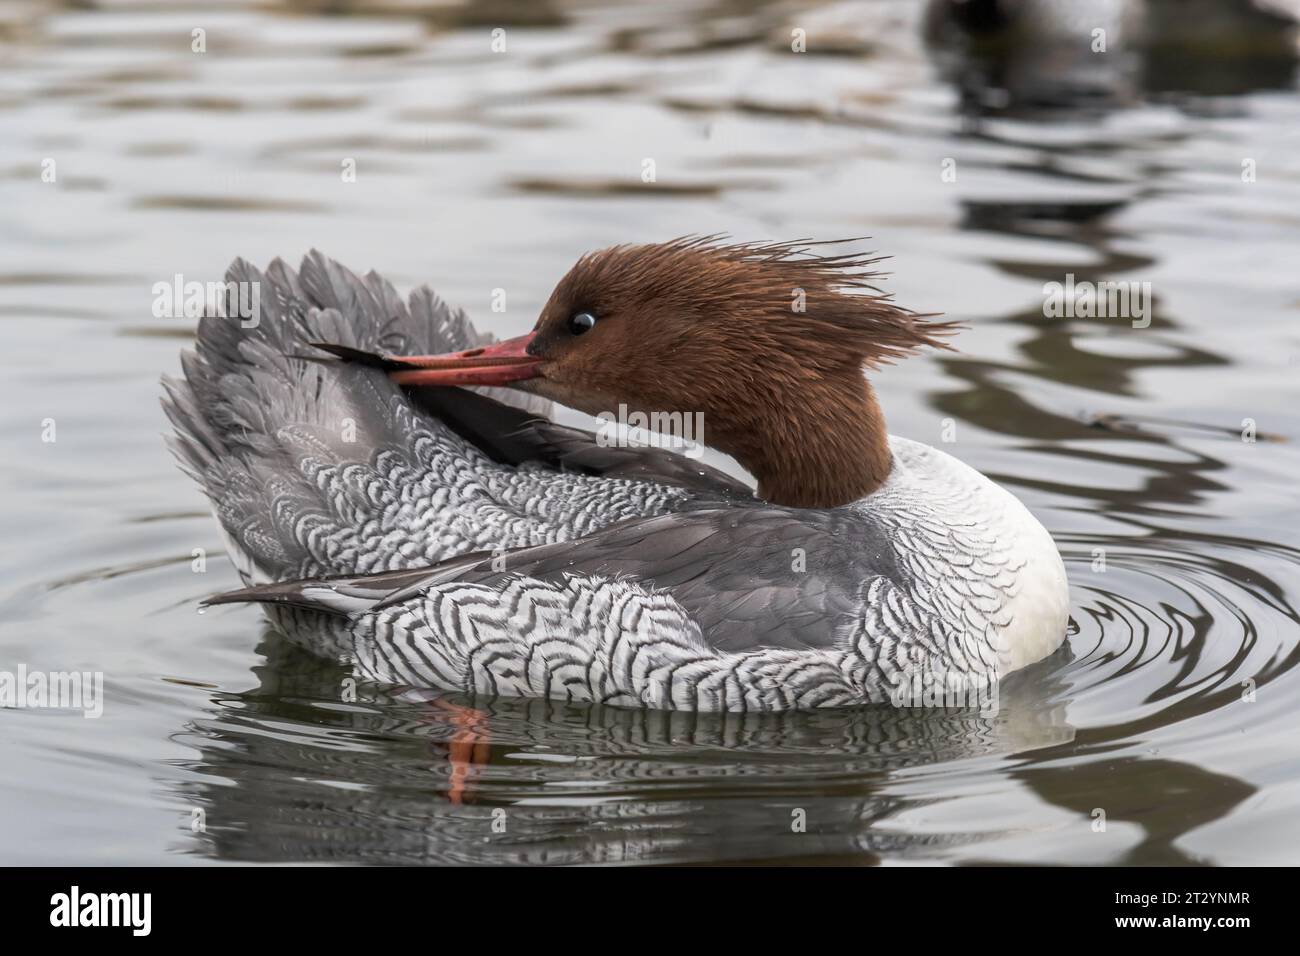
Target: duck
{"points": [[396, 492]]}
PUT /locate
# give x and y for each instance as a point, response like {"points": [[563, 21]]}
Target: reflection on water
{"points": [[1167, 714], [1073, 57], [424, 778]]}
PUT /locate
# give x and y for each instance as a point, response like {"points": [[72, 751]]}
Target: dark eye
{"points": [[581, 322]]}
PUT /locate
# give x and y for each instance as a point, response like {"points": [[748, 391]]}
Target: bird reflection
{"points": [[288, 772], [1125, 789], [1045, 57]]}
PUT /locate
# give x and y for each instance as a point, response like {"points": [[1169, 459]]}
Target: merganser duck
{"points": [[389, 510]]}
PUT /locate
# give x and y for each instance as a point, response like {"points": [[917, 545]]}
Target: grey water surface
{"points": [[987, 157]]}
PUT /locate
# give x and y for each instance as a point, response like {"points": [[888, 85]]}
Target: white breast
{"points": [[970, 534]]}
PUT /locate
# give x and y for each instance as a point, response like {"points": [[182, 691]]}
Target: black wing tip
{"points": [[356, 356], [278, 592], [242, 596]]}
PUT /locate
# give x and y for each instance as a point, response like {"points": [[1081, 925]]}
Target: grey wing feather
{"points": [[729, 568], [516, 436], [578, 449], [316, 469]]}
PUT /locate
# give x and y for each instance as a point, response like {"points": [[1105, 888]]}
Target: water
{"points": [[1170, 708]]}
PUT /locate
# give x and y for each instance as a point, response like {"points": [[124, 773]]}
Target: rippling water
{"points": [[1171, 707]]}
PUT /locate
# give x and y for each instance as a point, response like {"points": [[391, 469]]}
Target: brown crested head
{"points": [[762, 343], [688, 322], [767, 341]]}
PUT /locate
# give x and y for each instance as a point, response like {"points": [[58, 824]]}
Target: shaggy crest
{"points": [[789, 292]]}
